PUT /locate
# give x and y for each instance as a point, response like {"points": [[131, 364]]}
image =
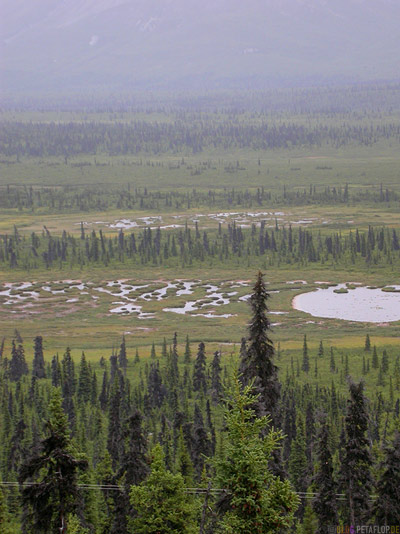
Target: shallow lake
{"points": [[359, 304]]}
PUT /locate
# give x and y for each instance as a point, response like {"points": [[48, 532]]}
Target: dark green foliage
{"points": [[367, 346], [216, 384], [332, 362], [155, 389], [201, 444], [386, 508], [55, 372], [84, 381], [68, 385], [122, 358], [375, 360], [114, 426], [305, 366], [18, 366], [385, 361], [199, 372], [298, 457], [38, 369], [256, 364], [160, 502], [55, 470], [356, 479], [188, 353], [324, 503], [133, 468]]}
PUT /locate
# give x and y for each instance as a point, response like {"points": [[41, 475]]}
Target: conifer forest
{"points": [[200, 313]]}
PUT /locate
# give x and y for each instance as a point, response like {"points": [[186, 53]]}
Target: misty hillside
{"points": [[80, 45]]}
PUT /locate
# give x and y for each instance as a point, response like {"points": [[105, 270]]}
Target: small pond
{"points": [[360, 304]]}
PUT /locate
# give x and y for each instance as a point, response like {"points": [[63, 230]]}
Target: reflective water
{"points": [[359, 304]]}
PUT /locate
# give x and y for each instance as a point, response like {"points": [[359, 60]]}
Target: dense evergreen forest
{"points": [[132, 445]]}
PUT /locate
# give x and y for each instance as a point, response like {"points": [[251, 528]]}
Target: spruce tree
{"points": [[216, 383], [367, 346], [133, 468], [122, 358], [356, 479], [68, 385], [187, 357], [375, 360], [298, 457], [256, 364], [305, 366], [84, 381], [256, 501], [386, 508], [199, 371], [38, 367], [17, 365], [201, 444], [155, 389], [160, 502], [332, 362], [385, 361], [324, 502], [55, 372], [54, 470], [114, 425]]}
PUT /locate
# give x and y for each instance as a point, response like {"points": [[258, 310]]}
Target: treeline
{"points": [[378, 98], [108, 416], [103, 197], [178, 136], [278, 245]]}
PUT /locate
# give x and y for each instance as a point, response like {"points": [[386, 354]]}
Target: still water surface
{"points": [[360, 304]]}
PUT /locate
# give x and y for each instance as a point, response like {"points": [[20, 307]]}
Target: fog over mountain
{"points": [[117, 45]]}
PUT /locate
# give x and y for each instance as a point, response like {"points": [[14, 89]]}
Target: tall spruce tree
{"points": [[298, 457], [201, 444], [216, 383], [54, 470], [188, 353], [256, 365], [386, 507], [84, 380], [324, 503], [356, 479], [38, 368], [133, 468], [199, 371], [17, 365], [306, 360], [122, 358]]}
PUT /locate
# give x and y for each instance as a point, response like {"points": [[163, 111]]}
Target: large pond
{"points": [[372, 305]]}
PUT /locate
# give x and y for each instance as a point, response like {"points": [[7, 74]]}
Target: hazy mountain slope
{"points": [[121, 44]]}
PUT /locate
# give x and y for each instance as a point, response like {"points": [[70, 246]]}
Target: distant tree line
{"points": [[180, 136], [378, 246], [103, 197]]}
